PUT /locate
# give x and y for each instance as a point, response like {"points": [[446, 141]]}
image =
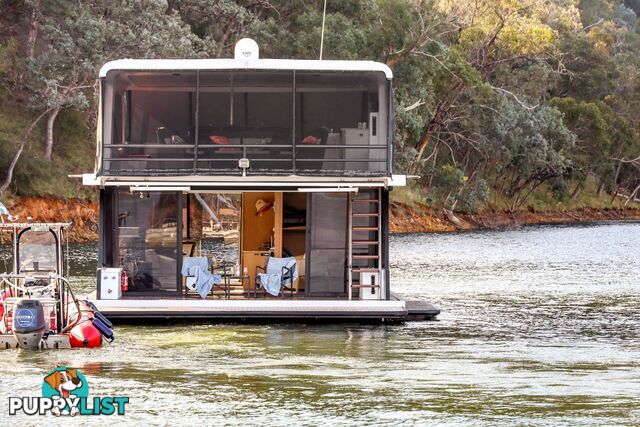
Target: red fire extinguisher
{"points": [[52, 320], [124, 281], [9, 320]]}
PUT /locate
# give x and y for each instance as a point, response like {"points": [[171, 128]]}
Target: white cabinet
{"points": [[354, 136], [109, 283]]}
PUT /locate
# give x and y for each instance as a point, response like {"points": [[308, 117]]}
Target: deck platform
{"points": [[248, 310]]}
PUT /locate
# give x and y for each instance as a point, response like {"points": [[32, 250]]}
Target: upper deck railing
{"points": [[263, 158]]}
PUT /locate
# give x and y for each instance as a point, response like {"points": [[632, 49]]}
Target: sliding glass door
{"points": [[327, 244], [148, 233]]}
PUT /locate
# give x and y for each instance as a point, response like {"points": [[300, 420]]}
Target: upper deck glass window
{"points": [[340, 109], [152, 108], [153, 118], [284, 122], [251, 112]]}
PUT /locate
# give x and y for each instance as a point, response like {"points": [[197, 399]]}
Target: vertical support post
{"points": [[197, 124], [350, 246], [179, 243], [380, 278], [187, 210], [385, 244], [278, 210], [231, 103], [293, 127], [390, 129], [15, 251], [100, 150]]}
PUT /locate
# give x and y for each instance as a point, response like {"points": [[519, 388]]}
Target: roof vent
{"points": [[246, 49]]}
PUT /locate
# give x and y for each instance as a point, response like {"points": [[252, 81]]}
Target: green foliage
{"points": [[525, 101], [560, 189], [33, 175], [534, 146]]}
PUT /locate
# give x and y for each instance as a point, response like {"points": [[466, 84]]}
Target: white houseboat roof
{"points": [[193, 182], [243, 64]]}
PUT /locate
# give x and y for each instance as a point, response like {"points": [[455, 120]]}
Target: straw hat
{"points": [[262, 206]]}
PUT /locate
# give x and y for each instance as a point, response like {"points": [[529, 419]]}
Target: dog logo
{"points": [[65, 391], [65, 383]]}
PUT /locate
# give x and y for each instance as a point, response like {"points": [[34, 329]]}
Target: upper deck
{"points": [[245, 117]]}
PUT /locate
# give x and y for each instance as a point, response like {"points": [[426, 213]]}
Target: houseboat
{"points": [[246, 188]]}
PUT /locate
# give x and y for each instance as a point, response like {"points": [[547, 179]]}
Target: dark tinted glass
{"points": [[334, 110], [147, 239], [178, 123], [156, 110], [328, 243], [245, 114]]}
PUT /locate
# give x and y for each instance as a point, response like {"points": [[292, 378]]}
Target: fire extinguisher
{"points": [[9, 320], [124, 281], [52, 320]]}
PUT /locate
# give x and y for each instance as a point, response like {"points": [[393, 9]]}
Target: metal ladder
{"points": [[372, 245]]}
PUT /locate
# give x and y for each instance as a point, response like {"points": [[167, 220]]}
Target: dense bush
{"points": [[495, 99]]}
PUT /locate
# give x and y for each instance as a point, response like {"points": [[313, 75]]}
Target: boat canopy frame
{"points": [[18, 229]]}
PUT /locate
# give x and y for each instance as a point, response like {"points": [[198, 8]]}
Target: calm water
{"points": [[540, 326]]}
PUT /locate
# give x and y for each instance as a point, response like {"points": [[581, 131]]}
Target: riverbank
{"points": [[404, 218], [83, 214], [418, 218]]}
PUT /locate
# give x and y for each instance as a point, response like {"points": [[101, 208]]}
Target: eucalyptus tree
{"points": [[74, 40]]}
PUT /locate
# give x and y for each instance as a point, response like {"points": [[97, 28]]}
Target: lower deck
{"points": [[136, 309], [324, 243]]}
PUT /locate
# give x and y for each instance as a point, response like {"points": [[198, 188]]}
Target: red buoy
{"points": [[85, 335]]}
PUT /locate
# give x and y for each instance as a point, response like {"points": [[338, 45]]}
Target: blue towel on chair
{"points": [[198, 267], [272, 280]]}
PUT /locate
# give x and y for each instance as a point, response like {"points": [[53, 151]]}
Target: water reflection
{"points": [[539, 326]]}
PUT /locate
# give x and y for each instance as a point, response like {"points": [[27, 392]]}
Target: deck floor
{"points": [[249, 306], [251, 309]]}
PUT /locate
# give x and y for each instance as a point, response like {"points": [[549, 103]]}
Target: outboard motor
{"points": [[29, 323]]}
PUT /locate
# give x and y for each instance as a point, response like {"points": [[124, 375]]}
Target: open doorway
{"points": [[211, 227]]}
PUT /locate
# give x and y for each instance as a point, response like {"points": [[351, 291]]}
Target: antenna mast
{"points": [[324, 15]]}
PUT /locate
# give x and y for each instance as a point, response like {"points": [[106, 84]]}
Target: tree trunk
{"points": [[48, 150], [575, 193], [33, 29], [443, 108], [600, 187], [32, 35], [633, 195], [453, 219], [435, 160], [615, 193], [23, 144]]}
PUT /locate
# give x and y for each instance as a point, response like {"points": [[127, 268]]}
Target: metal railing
{"points": [[59, 288], [264, 159]]}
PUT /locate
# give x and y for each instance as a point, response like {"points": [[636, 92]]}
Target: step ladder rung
{"points": [[361, 261]]}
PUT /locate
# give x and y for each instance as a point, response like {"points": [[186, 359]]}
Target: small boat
{"points": [[38, 309]]}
